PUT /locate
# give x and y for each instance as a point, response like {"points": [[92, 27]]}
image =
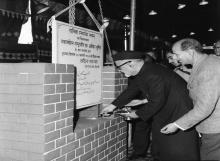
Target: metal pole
{"points": [[131, 47], [132, 24]]}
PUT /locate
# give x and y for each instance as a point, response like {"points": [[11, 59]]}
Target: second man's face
{"points": [[183, 57], [172, 59]]}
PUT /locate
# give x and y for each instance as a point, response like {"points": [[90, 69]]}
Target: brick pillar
{"points": [[36, 118]]}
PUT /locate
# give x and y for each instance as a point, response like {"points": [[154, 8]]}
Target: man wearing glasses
{"points": [[204, 90], [167, 99]]}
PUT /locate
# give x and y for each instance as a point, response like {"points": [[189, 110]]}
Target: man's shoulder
{"points": [[212, 63]]}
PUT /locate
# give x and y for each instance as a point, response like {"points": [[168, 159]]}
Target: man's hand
{"points": [[131, 114], [137, 102], [108, 109], [169, 128]]}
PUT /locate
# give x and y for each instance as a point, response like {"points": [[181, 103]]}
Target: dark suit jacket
{"points": [[168, 99]]}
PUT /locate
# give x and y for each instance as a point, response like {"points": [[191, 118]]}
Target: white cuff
{"points": [[178, 126]]}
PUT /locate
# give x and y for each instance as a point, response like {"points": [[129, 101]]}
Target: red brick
{"points": [[51, 117], [61, 68], [87, 156], [101, 148], [79, 151], [112, 149], [107, 137], [86, 140], [118, 145], [71, 138], [77, 159], [112, 155], [122, 136], [49, 127], [112, 88], [88, 131], [95, 144], [101, 140], [49, 89], [49, 146], [67, 113], [104, 159], [88, 147], [60, 106], [67, 97], [70, 87], [71, 155], [60, 88], [101, 155], [110, 81], [107, 101], [100, 133], [113, 134], [66, 131], [67, 78], [110, 75], [107, 151], [49, 109], [112, 128], [118, 132], [107, 69], [112, 142], [95, 158], [52, 155], [52, 136], [70, 104], [80, 134], [70, 147], [63, 158], [70, 69], [123, 148], [51, 98], [60, 142], [49, 68], [110, 94], [69, 121], [51, 78]]}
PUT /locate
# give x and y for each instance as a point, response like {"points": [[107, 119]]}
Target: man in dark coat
{"points": [[168, 99]]}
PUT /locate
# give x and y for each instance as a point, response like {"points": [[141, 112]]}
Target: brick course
{"points": [[36, 116]]}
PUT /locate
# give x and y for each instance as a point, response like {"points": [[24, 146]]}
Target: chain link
{"points": [[105, 32], [72, 12]]}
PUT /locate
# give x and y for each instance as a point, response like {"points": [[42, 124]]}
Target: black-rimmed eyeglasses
{"points": [[119, 66]]}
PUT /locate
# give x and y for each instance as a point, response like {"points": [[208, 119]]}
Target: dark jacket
{"points": [[168, 99]]}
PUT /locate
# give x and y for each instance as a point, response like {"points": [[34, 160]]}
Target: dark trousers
{"points": [[182, 145], [210, 147], [141, 136]]}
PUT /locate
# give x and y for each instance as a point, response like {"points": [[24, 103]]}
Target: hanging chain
{"points": [[72, 11], [105, 32]]}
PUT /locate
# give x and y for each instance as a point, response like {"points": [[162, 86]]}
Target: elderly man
{"points": [[204, 89], [168, 99], [217, 48]]}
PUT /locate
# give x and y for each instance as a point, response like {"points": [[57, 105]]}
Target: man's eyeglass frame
{"points": [[118, 67]]}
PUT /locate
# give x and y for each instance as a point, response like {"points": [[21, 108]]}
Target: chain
{"points": [[72, 11], [105, 32]]}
